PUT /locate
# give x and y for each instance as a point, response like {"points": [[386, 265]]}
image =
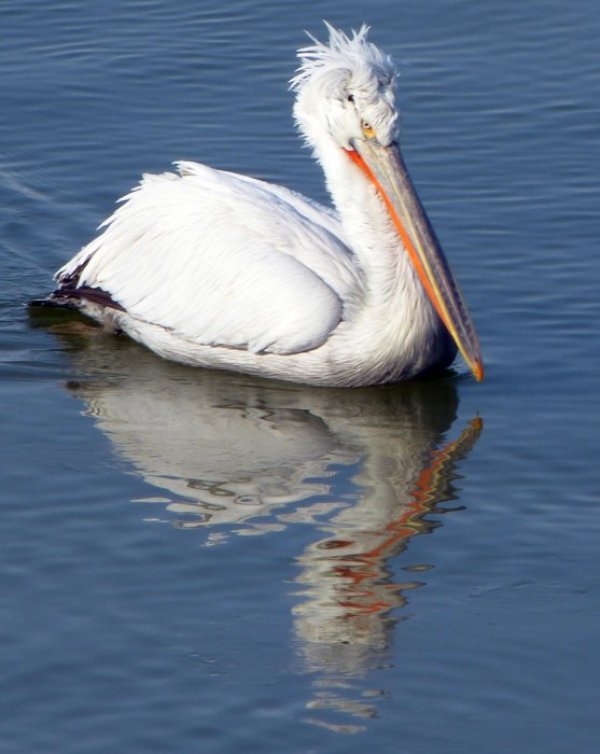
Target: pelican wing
{"points": [[221, 259]]}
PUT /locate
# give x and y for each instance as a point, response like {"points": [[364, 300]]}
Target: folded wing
{"points": [[221, 259]]}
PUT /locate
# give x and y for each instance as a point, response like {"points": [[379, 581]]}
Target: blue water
{"points": [[199, 562]]}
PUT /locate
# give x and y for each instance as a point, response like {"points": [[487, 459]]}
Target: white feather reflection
{"points": [[237, 454]]}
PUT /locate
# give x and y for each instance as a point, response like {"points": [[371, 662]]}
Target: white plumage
{"points": [[216, 269]]}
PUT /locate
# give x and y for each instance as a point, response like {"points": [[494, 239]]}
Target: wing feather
{"points": [[221, 259]]}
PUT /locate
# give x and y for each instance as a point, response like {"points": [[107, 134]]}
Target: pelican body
{"points": [[216, 269]]}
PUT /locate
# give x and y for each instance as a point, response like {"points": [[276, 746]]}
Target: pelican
{"points": [[215, 269]]}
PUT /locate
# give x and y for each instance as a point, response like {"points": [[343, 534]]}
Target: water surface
{"points": [[194, 561]]}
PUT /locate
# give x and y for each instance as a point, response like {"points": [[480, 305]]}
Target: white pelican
{"points": [[216, 269]]}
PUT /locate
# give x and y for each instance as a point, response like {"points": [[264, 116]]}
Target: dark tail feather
{"points": [[75, 298]]}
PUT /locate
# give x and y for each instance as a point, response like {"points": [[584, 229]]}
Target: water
{"points": [[199, 562]]}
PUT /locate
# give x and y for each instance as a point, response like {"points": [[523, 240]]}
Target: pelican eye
{"points": [[350, 98], [368, 130]]}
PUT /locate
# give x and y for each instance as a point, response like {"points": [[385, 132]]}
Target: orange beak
{"points": [[385, 168]]}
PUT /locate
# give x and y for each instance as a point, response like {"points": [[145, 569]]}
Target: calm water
{"points": [[198, 562]]}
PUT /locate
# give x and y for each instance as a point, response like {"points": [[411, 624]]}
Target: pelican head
{"points": [[344, 88], [345, 100]]}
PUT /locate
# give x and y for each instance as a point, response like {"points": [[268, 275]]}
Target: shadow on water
{"points": [[229, 454]]}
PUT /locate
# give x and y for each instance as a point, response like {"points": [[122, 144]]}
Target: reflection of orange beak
{"points": [[365, 568], [385, 168], [429, 489]]}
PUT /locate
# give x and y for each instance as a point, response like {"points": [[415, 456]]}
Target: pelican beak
{"points": [[385, 168]]}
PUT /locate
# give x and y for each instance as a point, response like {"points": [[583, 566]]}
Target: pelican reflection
{"points": [[364, 468]]}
